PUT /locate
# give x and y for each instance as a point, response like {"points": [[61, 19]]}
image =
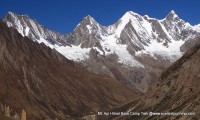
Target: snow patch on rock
{"points": [[157, 49]]}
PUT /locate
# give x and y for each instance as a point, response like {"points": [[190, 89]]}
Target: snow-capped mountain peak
{"points": [[172, 16], [14, 15], [129, 17], [90, 18], [132, 13], [89, 23], [18, 21], [11, 13], [87, 32], [172, 12], [32, 29]]}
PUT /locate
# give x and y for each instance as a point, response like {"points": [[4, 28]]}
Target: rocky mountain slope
{"points": [[37, 82], [134, 50], [176, 91]]}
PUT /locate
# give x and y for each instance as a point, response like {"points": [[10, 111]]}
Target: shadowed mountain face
{"points": [[134, 50], [38, 82], [176, 91]]}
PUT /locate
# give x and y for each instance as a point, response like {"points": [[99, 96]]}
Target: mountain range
{"points": [[134, 50]]}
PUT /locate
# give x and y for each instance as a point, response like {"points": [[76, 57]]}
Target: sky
{"points": [[64, 15]]}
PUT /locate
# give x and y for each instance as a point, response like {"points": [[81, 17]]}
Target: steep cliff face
{"points": [[39, 83], [176, 91]]}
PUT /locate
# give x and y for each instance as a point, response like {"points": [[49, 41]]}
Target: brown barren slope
{"points": [[39, 80]]}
